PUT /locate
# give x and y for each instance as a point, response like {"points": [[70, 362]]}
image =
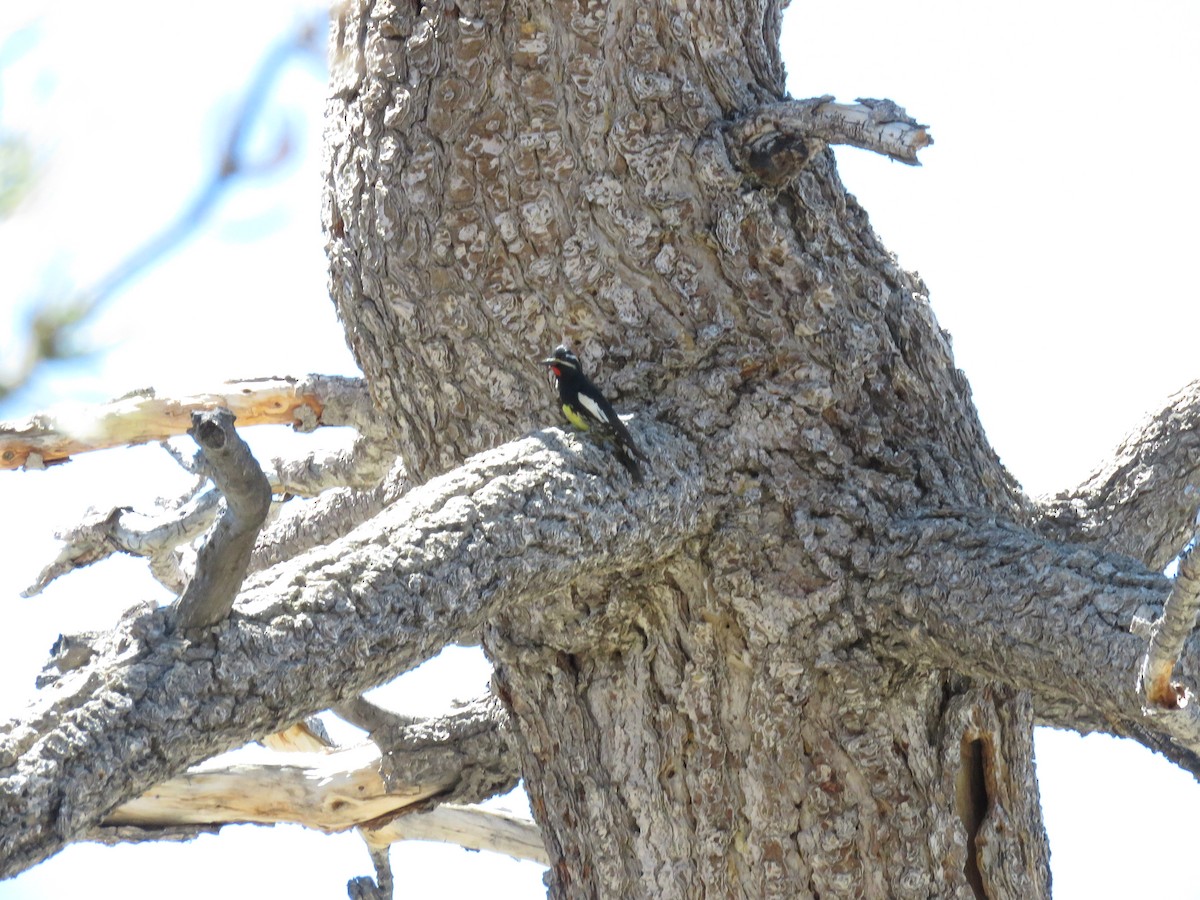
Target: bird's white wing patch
{"points": [[593, 407]]}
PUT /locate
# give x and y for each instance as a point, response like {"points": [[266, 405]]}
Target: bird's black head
{"points": [[563, 361]]}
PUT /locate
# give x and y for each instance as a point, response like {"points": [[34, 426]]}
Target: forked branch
{"points": [[157, 536], [1002, 595], [333, 622]]}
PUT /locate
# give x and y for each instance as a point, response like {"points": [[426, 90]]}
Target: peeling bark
{"points": [[457, 758], [143, 416]]}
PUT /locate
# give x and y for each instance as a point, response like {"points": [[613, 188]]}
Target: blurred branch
{"points": [[54, 329], [16, 172]]}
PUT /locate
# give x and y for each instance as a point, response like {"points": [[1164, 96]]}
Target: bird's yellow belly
{"points": [[574, 418]]}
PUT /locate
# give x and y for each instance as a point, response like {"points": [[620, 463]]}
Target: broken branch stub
{"points": [[224, 558], [775, 141]]}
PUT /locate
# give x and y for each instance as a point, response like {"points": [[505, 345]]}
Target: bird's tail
{"points": [[630, 464]]}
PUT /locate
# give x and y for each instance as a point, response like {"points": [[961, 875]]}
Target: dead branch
{"points": [[775, 141], [308, 787], [362, 466], [336, 789], [1166, 636], [470, 827], [303, 403], [329, 790], [329, 624], [122, 530], [156, 537], [224, 557]]}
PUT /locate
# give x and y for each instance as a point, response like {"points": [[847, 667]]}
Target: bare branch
{"points": [[333, 790], [46, 439], [775, 141], [324, 519], [325, 789], [330, 790], [363, 466], [1142, 502], [225, 556], [123, 530], [425, 572], [1167, 635], [471, 827]]}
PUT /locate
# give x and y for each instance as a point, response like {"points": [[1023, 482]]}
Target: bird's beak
{"points": [[549, 362]]}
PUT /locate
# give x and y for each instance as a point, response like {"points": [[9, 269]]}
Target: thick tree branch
{"points": [[225, 555], [326, 518], [507, 527], [1143, 501], [1001, 603], [304, 403], [775, 141]]}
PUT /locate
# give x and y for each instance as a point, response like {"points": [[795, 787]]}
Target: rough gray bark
{"points": [[1143, 501], [753, 719], [805, 657], [325, 626], [499, 182]]}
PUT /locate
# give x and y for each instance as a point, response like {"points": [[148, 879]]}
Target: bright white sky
{"points": [[1053, 222]]}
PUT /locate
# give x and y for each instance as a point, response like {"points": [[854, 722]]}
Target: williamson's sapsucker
{"points": [[588, 409]]}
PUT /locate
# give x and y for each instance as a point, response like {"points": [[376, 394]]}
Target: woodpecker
{"points": [[588, 409]]}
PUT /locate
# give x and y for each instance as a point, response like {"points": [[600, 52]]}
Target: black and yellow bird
{"points": [[589, 410]]}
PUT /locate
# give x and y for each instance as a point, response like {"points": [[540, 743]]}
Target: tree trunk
{"points": [[735, 720]]}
